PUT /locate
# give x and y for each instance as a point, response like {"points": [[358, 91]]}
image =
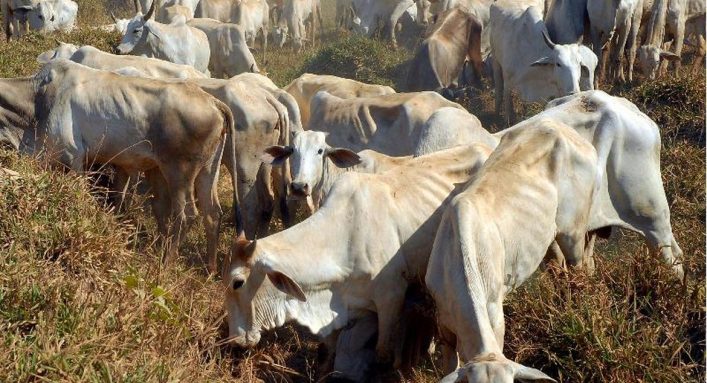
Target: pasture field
{"points": [[83, 295]]}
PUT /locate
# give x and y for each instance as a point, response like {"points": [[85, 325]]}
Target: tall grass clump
{"points": [[360, 58], [83, 298]]}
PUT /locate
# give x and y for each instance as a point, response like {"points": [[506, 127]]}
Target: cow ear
{"points": [[527, 374], [343, 158], [286, 285], [543, 61], [276, 155], [151, 30], [45, 57], [669, 56]]}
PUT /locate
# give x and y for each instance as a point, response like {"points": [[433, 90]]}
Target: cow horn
{"points": [[252, 68], [151, 11], [112, 16], [547, 39], [138, 6]]}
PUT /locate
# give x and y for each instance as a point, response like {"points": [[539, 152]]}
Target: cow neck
{"points": [[313, 254], [17, 102], [330, 173]]}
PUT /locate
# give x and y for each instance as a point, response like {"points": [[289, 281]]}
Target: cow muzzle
{"points": [[245, 340], [299, 189]]}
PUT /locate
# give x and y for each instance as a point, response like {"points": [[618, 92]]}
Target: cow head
{"points": [[565, 63], [308, 154], [423, 11], [137, 32], [247, 290], [42, 17], [495, 369], [649, 59], [64, 51]]}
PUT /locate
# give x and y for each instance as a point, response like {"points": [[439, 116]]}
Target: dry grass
{"points": [[83, 296]]}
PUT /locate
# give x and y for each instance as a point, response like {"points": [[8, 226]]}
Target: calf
{"points": [[494, 235]]}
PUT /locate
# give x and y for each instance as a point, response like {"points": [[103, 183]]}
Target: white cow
{"points": [[679, 14], [535, 188], [533, 65], [374, 242], [96, 58], [299, 19], [177, 43], [53, 15], [610, 29], [307, 85], [389, 124], [229, 52], [83, 116], [379, 16], [478, 8], [254, 17], [628, 145]]}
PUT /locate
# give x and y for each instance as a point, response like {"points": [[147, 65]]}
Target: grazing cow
{"points": [[671, 19], [379, 16], [96, 58], [610, 28], [307, 85], [316, 165], [389, 124], [375, 245], [295, 14], [627, 142], [53, 15], [229, 52], [534, 66], [455, 37], [536, 187], [177, 43], [83, 116]]}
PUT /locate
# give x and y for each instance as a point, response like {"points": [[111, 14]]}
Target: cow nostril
{"points": [[299, 187]]}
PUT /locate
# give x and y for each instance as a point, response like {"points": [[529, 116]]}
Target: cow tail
{"points": [[230, 130]]}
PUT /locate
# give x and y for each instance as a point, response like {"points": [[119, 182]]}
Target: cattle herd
{"points": [[402, 190]]}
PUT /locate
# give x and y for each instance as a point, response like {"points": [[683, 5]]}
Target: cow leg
{"points": [[597, 46], [160, 200], [554, 255], [509, 109], [265, 197], [495, 313], [389, 305], [448, 350], [678, 43], [207, 200], [633, 42], [699, 56], [180, 182], [618, 53], [498, 84]]}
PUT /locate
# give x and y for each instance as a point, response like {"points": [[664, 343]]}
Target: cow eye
{"points": [[139, 30], [320, 151], [558, 64], [238, 283]]}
